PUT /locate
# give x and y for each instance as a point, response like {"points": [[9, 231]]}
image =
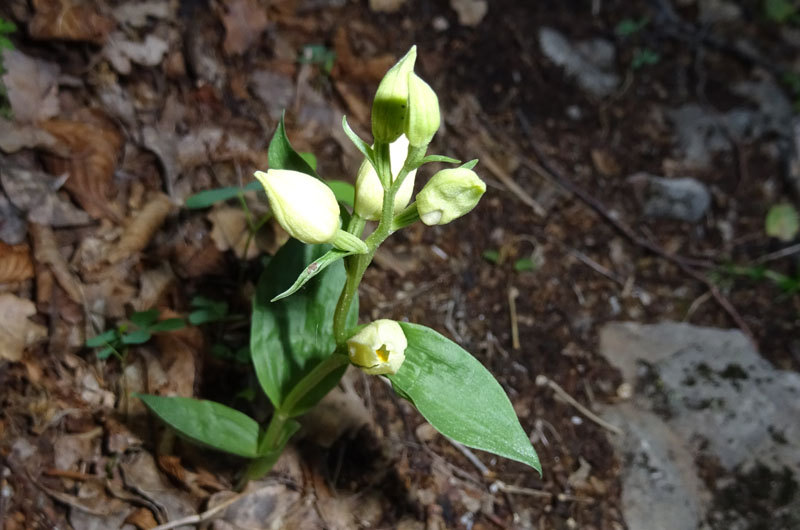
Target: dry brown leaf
{"points": [[46, 252], [357, 68], [172, 372], [31, 86], [68, 20], [142, 228], [385, 6], [244, 22], [34, 193], [16, 136], [16, 331], [94, 144], [15, 263], [604, 163], [230, 232], [142, 518], [121, 51]]}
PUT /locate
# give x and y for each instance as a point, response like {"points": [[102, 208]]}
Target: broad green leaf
{"points": [[138, 336], [782, 222], [291, 336], [310, 158], [281, 154], [144, 318], [102, 339], [459, 397], [344, 191], [168, 324], [360, 144], [208, 423], [314, 268], [207, 198], [439, 158]]}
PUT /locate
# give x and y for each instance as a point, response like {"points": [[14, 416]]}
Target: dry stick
{"points": [[627, 231], [542, 380], [513, 293], [206, 515], [778, 254], [480, 466]]}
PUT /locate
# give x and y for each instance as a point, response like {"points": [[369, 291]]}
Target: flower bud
{"points": [[379, 348], [391, 100], [448, 195], [369, 191], [423, 118], [304, 206]]}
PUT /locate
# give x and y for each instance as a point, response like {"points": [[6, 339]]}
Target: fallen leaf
{"points": [[16, 331], [470, 12], [137, 13], [142, 228], [68, 20], [46, 252], [244, 22], [12, 223], [178, 352], [385, 6], [142, 518], [230, 231], [31, 86], [153, 284], [94, 144], [16, 136], [355, 67], [35, 194], [121, 52], [15, 263], [605, 163]]}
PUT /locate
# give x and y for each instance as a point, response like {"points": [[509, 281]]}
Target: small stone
{"points": [[440, 23], [590, 63], [426, 433], [680, 199]]}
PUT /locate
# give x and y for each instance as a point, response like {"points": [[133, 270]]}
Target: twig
{"points": [[480, 466], [778, 254], [208, 514], [542, 380], [499, 485], [513, 293]]}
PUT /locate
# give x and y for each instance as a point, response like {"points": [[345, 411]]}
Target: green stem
{"points": [[310, 382]]}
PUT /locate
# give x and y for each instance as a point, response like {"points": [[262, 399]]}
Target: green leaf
{"points": [[168, 324], [779, 11], [310, 159], [314, 268], [139, 336], [208, 423], [144, 319], [207, 310], [281, 154], [471, 164], [291, 336], [524, 264], [644, 57], [207, 198], [6, 26], [105, 352], [492, 256], [360, 144], [439, 158], [459, 397], [344, 191], [629, 26], [782, 222], [101, 339]]}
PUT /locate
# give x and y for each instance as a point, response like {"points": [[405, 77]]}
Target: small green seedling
{"points": [[6, 28], [631, 26], [644, 57], [138, 330], [491, 255], [318, 54], [524, 264]]}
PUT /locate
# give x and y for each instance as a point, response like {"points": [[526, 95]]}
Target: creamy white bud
{"points": [[448, 195], [369, 191], [304, 206]]}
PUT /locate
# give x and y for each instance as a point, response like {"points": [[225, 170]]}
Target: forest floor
{"points": [[582, 115]]}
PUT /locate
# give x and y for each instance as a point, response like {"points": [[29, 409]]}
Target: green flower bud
{"points": [[379, 348], [304, 206], [391, 100], [369, 191], [423, 118], [448, 195]]}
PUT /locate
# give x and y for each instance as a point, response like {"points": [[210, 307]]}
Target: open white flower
{"points": [[379, 348]]}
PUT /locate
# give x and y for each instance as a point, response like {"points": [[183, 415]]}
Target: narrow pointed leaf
{"points": [[281, 154], [439, 158], [208, 423], [360, 144], [459, 397], [314, 268]]}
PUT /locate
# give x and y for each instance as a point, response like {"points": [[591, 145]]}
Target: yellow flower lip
{"points": [[379, 348]]}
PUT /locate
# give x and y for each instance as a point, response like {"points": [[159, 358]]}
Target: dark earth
{"points": [[572, 252]]}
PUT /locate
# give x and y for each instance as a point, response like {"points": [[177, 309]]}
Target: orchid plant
{"points": [[305, 329]]}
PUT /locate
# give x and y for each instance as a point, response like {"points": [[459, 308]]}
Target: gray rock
{"points": [[681, 199], [590, 63], [706, 393], [700, 133], [712, 11]]}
